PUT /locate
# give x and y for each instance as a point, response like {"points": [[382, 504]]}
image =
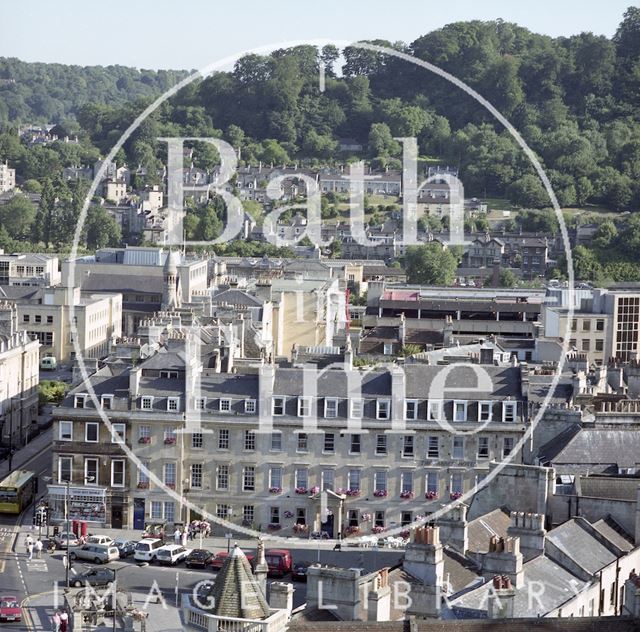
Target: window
{"points": [[357, 407], [79, 401], [407, 445], [434, 410], [586, 325], [169, 474], [327, 480], [600, 324], [383, 408], [91, 432], [303, 443], [169, 511], [118, 429], [117, 473], [248, 478], [330, 408], [380, 481], [507, 446], [277, 406], [65, 464], [197, 440], [378, 518], [275, 515], [225, 405], [485, 410], [106, 401], [600, 344], [276, 441], [249, 405], [431, 483], [49, 320], [457, 451], [411, 409], [38, 318], [156, 510], [508, 411], [223, 439], [586, 344], [172, 375], [483, 447], [352, 518], [248, 512], [200, 403], [91, 472], [249, 440], [406, 482], [356, 444], [381, 444], [170, 436], [173, 403], [301, 515], [354, 480], [302, 478], [459, 411], [144, 434], [196, 475], [65, 429], [406, 518], [222, 477], [433, 447], [146, 403], [222, 511], [388, 348], [25, 318], [457, 483], [275, 477], [329, 442], [304, 406], [143, 473]]}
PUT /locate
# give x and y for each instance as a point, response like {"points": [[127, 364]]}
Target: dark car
{"points": [[94, 577], [125, 547], [299, 571], [198, 558]]}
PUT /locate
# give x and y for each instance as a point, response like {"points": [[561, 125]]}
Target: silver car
{"points": [[98, 553], [61, 539]]}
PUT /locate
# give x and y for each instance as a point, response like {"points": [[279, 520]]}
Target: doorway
{"points": [[116, 517]]}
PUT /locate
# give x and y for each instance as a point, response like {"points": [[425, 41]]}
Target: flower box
{"points": [[302, 490], [381, 493], [455, 495], [314, 490], [275, 490], [405, 533], [353, 492], [170, 441], [353, 530], [144, 440], [300, 528], [431, 495], [407, 494], [377, 529], [143, 485], [171, 485], [274, 526]]}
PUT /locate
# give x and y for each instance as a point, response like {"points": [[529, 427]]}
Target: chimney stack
{"points": [[504, 558], [501, 601], [529, 528], [453, 528]]}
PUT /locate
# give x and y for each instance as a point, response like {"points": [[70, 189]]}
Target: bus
{"points": [[17, 491]]}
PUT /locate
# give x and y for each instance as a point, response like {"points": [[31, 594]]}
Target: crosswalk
{"points": [[6, 533], [36, 565]]}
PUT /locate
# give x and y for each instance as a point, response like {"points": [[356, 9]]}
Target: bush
{"points": [[51, 392]]}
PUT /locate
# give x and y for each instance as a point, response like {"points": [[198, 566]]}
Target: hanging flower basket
{"points": [[381, 493], [353, 492], [170, 441], [314, 490], [407, 494], [300, 528], [288, 514], [455, 495], [275, 490], [353, 530], [144, 440], [431, 495], [143, 485], [365, 517], [302, 490]]}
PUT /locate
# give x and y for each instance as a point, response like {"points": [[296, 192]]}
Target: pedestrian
{"points": [[64, 621], [38, 547], [28, 542], [176, 535], [56, 621], [30, 550], [184, 538]]}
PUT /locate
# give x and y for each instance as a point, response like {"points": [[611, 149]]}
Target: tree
{"points": [[430, 264], [273, 153], [17, 216], [586, 266], [508, 278], [606, 234], [381, 141], [528, 192], [102, 230]]}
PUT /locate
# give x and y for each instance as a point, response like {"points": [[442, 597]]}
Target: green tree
{"points": [[430, 264], [605, 236], [102, 230], [17, 216]]}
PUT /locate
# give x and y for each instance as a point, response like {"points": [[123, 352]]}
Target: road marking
{"points": [[36, 566]]}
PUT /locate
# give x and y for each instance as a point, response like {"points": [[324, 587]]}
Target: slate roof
{"points": [[18, 292], [236, 297], [143, 284], [611, 530], [611, 487], [481, 529]]}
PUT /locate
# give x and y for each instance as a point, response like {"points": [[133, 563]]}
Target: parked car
{"points": [[146, 549], [10, 608], [299, 571], [98, 553], [61, 539], [94, 577], [219, 559], [279, 562], [99, 539], [171, 554], [125, 547], [198, 558]]}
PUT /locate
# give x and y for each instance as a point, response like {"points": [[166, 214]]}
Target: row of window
{"points": [[91, 471], [91, 431], [37, 318]]}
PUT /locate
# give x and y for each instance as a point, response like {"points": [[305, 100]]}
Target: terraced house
{"points": [[261, 445]]}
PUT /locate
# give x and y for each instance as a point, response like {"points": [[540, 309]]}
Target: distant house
{"points": [[7, 178], [349, 144]]}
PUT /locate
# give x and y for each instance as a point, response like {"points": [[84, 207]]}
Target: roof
{"points": [[611, 530], [481, 529], [609, 487], [237, 298], [143, 284], [235, 592]]}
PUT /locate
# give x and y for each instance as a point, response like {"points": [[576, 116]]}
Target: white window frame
{"points": [[460, 476], [282, 405], [167, 467], [381, 481], [124, 473], [245, 471], [330, 407], [65, 458], [434, 410], [80, 397], [86, 473], [106, 398], [356, 408], [353, 441], [87, 424], [224, 405], [453, 447], [481, 413], [380, 405], [156, 510], [226, 475], [192, 473], [354, 473], [304, 406], [382, 447], [302, 437], [200, 403], [406, 477], [301, 475], [171, 402], [276, 446], [512, 406], [146, 402], [437, 442], [408, 441], [414, 403], [60, 426], [485, 440], [436, 480], [250, 406], [118, 428], [275, 481], [197, 437], [465, 404], [513, 445]]}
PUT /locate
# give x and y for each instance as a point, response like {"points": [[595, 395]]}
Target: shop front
{"points": [[86, 503]]}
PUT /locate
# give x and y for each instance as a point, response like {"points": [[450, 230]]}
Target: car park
{"points": [[146, 549], [198, 558], [10, 608], [171, 554], [125, 546], [61, 539], [94, 577], [98, 553], [299, 571], [279, 562]]}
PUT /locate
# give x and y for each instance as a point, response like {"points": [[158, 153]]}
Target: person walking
{"points": [[176, 535], [28, 542], [38, 547], [56, 621], [30, 550], [64, 621], [185, 535]]}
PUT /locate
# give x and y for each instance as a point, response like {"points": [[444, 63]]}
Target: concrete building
{"points": [[29, 270], [7, 178]]}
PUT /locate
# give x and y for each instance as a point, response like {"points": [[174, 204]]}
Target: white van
{"points": [[146, 549], [49, 363], [171, 554], [99, 539]]}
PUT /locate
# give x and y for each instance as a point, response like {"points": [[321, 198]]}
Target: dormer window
{"points": [[411, 409], [383, 409], [200, 403], [485, 410], [173, 404], [330, 407], [225, 405], [459, 410], [509, 411], [434, 412], [79, 400], [146, 403], [171, 375], [304, 406], [277, 404], [357, 407], [106, 401], [249, 405]]}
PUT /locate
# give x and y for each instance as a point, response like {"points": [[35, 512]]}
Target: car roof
{"points": [[277, 552]]}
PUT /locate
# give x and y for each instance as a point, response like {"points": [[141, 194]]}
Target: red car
{"points": [[219, 559], [10, 609]]}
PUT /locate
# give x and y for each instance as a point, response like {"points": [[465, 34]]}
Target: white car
{"points": [[99, 539], [146, 549], [171, 554]]}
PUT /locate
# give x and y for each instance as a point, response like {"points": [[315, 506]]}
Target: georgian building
{"points": [[258, 447]]}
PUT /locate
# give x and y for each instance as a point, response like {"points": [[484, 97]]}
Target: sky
{"points": [[189, 34]]}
